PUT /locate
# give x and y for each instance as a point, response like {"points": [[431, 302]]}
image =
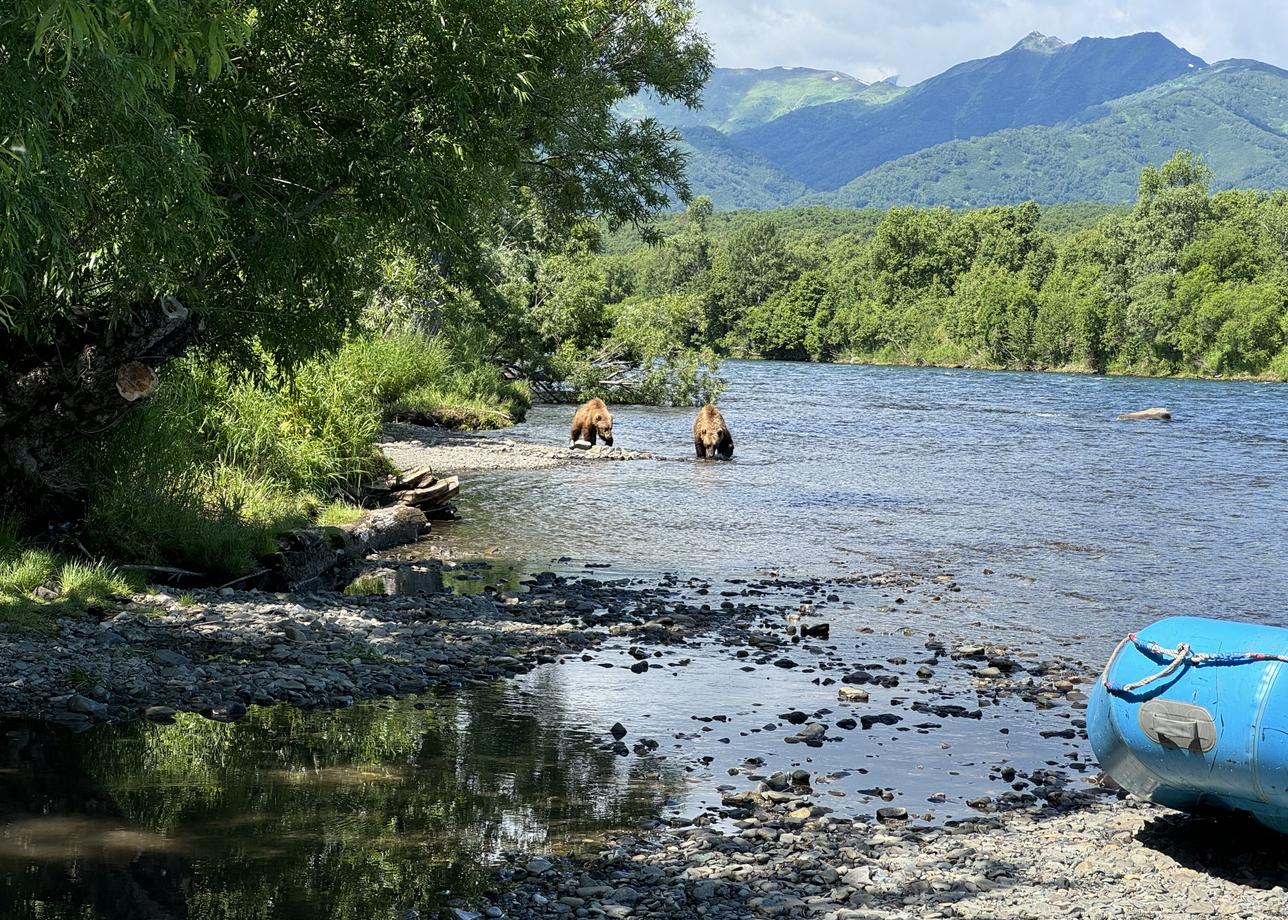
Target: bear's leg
{"points": [[574, 436], [699, 448]]}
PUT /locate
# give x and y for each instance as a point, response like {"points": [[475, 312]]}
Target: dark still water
{"points": [[356, 814], [1091, 526]]}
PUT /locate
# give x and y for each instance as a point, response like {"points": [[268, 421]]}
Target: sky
{"points": [[915, 39]]}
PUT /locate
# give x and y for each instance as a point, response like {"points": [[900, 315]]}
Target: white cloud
{"points": [[916, 39]]}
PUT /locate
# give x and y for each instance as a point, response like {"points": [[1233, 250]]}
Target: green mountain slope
{"points": [[735, 99], [733, 176], [1040, 81], [1234, 114]]}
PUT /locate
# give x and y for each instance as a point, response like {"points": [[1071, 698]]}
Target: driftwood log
{"points": [[419, 488], [307, 555]]}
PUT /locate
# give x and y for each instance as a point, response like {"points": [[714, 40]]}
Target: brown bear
{"points": [[711, 437], [592, 418]]}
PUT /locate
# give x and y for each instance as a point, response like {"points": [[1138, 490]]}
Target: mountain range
{"points": [[1045, 120]]}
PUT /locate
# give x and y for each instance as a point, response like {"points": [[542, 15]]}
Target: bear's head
{"points": [[603, 422]]}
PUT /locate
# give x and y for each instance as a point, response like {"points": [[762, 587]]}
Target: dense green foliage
{"points": [[259, 161], [219, 463], [1185, 282], [340, 211]]}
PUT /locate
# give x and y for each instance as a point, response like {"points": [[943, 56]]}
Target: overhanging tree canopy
{"points": [[236, 171]]}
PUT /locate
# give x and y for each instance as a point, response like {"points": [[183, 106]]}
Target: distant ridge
{"points": [[826, 146], [1047, 120]]}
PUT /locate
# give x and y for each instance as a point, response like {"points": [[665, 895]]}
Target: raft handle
{"points": [[1182, 725]]}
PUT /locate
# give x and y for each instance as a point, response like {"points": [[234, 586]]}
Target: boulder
{"points": [[1156, 414]]}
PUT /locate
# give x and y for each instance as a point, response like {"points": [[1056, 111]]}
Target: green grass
{"points": [[219, 464], [338, 514], [364, 586], [75, 584]]}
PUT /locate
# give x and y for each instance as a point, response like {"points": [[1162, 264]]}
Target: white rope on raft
{"points": [[1180, 655]]}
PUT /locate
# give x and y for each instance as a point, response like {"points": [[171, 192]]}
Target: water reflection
{"points": [[416, 570], [352, 814]]}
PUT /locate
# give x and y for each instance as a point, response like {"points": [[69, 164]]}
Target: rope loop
{"points": [[1183, 654]]}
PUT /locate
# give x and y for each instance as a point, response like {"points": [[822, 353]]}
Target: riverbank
{"points": [[908, 761], [1081, 368], [779, 837]]}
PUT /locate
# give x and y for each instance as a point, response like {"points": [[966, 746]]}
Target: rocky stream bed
{"points": [[774, 839]]}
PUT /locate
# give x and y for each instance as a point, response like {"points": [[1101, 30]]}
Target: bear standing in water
{"points": [[592, 419], [711, 437]]}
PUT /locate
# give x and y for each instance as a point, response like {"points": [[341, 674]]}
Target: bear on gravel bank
{"points": [[592, 419], [711, 437]]}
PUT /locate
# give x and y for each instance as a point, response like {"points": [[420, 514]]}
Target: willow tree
{"points": [[229, 174]]}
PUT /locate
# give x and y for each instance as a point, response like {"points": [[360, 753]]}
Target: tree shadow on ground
{"points": [[1234, 847]]}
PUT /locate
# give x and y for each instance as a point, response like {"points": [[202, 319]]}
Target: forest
{"points": [[1185, 282]]}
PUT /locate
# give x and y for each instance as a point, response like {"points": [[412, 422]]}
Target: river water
{"points": [[1062, 527], [1090, 526]]}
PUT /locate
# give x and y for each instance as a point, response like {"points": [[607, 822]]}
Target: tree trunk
{"points": [[51, 405]]}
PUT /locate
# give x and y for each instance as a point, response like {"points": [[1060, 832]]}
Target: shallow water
{"points": [[1092, 526]]}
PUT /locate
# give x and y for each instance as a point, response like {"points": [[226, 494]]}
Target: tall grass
{"points": [[220, 463]]}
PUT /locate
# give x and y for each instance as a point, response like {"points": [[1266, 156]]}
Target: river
{"points": [[1062, 528], [1090, 526]]}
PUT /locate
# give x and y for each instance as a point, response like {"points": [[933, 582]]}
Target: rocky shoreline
{"points": [[414, 445], [1088, 854], [777, 844]]}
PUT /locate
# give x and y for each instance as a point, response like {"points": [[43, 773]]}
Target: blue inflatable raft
{"points": [[1192, 713]]}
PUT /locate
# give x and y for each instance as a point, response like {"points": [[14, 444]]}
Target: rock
{"points": [[538, 866], [85, 706], [778, 782], [885, 718], [161, 714], [1157, 414], [618, 731], [227, 711], [639, 667], [810, 734], [169, 659], [852, 695], [892, 813]]}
